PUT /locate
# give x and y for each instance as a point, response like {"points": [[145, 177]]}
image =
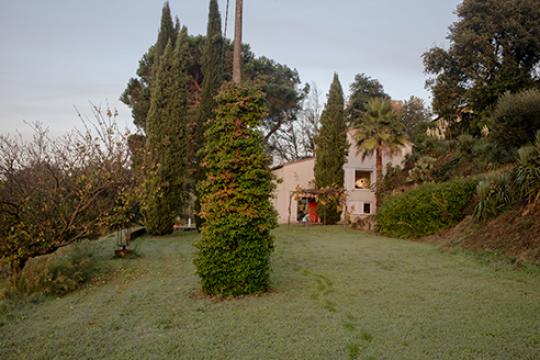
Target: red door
{"points": [[312, 212]]}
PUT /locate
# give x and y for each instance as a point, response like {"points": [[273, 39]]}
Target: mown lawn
{"points": [[337, 294]]}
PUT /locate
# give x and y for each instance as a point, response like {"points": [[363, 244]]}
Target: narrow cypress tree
{"points": [[138, 91], [212, 62], [235, 245], [331, 151], [213, 78], [167, 139], [166, 35]]}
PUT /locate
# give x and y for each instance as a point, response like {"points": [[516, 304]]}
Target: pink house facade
{"points": [[359, 185]]}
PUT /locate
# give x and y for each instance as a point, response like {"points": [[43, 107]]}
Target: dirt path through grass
{"points": [[337, 294]]}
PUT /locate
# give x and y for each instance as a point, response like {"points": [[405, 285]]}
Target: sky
{"points": [[58, 55]]}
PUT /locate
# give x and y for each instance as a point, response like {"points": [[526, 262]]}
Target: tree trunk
{"points": [[237, 55], [379, 178]]}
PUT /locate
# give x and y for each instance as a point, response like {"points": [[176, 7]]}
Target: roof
{"points": [[292, 162]]}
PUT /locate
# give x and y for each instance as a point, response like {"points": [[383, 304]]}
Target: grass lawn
{"points": [[337, 294]]}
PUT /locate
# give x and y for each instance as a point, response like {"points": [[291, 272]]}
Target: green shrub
{"points": [[495, 194], [445, 170], [56, 274], [234, 250], [488, 155], [422, 170], [516, 119], [426, 209], [528, 171]]}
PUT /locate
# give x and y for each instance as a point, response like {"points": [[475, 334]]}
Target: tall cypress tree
{"points": [[167, 139], [212, 63], [138, 91], [166, 35], [331, 151]]}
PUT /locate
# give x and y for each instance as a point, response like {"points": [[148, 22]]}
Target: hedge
{"points": [[426, 209]]}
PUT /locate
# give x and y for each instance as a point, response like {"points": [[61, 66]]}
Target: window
{"points": [[367, 208], [362, 180]]}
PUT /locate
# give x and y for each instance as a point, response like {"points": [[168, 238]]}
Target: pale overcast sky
{"points": [[57, 54]]}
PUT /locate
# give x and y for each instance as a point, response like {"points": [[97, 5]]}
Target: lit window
{"points": [[362, 180]]}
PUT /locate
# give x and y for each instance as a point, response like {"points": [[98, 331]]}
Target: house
{"points": [[359, 180]]}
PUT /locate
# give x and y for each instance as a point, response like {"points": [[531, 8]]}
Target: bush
{"points": [[56, 274], [528, 171], [422, 170], [522, 184], [426, 209], [487, 155], [234, 250], [516, 119], [495, 195]]}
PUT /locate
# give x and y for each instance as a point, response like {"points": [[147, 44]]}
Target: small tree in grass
{"points": [[234, 250]]}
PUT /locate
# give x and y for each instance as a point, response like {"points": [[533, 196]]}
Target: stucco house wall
{"points": [[360, 201], [356, 198], [291, 175]]}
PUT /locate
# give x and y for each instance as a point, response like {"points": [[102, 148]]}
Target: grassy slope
{"points": [[337, 294], [514, 233]]}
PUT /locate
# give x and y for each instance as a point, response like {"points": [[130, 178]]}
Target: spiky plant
{"points": [[528, 171]]}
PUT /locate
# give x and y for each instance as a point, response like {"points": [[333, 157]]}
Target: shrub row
{"points": [[426, 209]]}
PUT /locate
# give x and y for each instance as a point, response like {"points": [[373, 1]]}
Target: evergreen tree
{"points": [[331, 151], [494, 48], [362, 90], [212, 63], [234, 250], [166, 34], [167, 139], [137, 94]]}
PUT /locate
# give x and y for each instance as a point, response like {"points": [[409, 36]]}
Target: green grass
{"points": [[337, 294]]}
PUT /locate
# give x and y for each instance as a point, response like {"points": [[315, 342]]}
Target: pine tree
{"points": [[234, 250], [331, 151], [167, 139], [213, 78]]}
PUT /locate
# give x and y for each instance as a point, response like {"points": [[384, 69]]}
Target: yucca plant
{"points": [[528, 171], [495, 194]]}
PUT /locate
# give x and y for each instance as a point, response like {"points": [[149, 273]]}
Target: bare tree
{"points": [[56, 191], [296, 139], [311, 116]]}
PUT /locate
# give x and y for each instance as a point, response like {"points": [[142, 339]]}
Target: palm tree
{"points": [[378, 132]]}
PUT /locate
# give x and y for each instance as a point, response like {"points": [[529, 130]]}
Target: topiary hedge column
{"points": [[234, 250]]}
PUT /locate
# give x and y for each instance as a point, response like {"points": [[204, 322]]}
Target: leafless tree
{"points": [[296, 140], [56, 191]]}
